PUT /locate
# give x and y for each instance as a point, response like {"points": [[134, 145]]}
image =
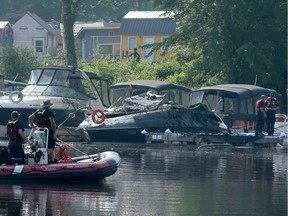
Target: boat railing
{"points": [[241, 129], [281, 123], [3, 93]]}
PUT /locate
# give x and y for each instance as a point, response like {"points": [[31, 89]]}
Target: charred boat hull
{"points": [[130, 128]]}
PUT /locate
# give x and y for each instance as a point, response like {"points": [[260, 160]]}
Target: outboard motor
{"points": [[39, 148]]}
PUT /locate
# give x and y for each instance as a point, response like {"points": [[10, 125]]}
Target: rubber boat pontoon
{"points": [[36, 167]]}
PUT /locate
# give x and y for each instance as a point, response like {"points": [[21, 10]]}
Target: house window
{"points": [[132, 43], [111, 33], [164, 48], [39, 46], [106, 50]]}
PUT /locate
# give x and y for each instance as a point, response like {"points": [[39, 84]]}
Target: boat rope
{"points": [[71, 115], [62, 142], [63, 155]]}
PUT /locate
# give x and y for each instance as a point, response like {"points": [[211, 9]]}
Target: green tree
{"points": [[89, 10], [231, 41], [17, 63]]}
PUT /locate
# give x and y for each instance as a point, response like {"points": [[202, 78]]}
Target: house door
{"points": [[39, 47], [146, 58]]}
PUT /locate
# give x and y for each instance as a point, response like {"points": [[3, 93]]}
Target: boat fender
{"points": [[19, 96], [98, 116]]}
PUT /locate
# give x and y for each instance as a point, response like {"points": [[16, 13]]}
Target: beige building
{"points": [[33, 32]]}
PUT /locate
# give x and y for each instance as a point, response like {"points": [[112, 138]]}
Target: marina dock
{"points": [[220, 139]]}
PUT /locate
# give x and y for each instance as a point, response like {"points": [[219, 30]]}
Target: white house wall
{"points": [[26, 30]]}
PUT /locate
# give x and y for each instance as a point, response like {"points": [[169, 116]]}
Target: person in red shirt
{"points": [[261, 116], [271, 105]]}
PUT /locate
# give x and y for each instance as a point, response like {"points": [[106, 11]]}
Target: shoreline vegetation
{"points": [[169, 70]]}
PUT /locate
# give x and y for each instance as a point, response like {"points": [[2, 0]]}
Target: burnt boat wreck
{"points": [[209, 111], [133, 127]]}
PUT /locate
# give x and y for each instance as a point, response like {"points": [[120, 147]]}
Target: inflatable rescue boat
{"points": [[36, 167]]}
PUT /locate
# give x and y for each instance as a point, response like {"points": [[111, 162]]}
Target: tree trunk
{"points": [[68, 17]]}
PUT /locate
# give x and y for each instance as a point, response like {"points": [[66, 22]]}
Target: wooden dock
{"points": [[220, 139]]}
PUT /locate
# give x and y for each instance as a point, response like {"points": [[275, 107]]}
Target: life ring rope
{"points": [[98, 116], [17, 94]]}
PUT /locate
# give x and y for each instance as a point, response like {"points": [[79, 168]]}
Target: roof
{"points": [[148, 14], [43, 23], [3, 24], [242, 90], [148, 22], [153, 84], [79, 27]]}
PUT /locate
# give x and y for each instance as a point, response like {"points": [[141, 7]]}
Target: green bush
{"points": [[16, 63]]}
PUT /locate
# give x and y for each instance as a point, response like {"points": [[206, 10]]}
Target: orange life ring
{"points": [[98, 116]]}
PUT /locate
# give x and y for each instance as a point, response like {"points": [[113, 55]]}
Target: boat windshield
{"points": [[175, 95], [220, 102], [58, 83]]}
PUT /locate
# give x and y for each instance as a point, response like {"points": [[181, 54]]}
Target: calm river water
{"points": [[164, 180]]}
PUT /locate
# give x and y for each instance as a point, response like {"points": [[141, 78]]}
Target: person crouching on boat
{"points": [[261, 116], [46, 119], [15, 133], [271, 107]]}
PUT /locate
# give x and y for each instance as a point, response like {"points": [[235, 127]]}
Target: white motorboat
{"points": [[70, 90]]}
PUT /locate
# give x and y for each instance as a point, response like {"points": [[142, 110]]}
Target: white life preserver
{"points": [[14, 94], [98, 116]]}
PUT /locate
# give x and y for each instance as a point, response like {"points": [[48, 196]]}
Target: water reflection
{"points": [[56, 198], [157, 180]]}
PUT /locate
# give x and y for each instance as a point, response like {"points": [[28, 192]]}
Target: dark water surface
{"points": [[160, 180]]}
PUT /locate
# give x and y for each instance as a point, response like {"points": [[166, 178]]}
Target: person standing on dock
{"points": [[46, 119], [271, 105], [261, 116], [135, 55]]}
